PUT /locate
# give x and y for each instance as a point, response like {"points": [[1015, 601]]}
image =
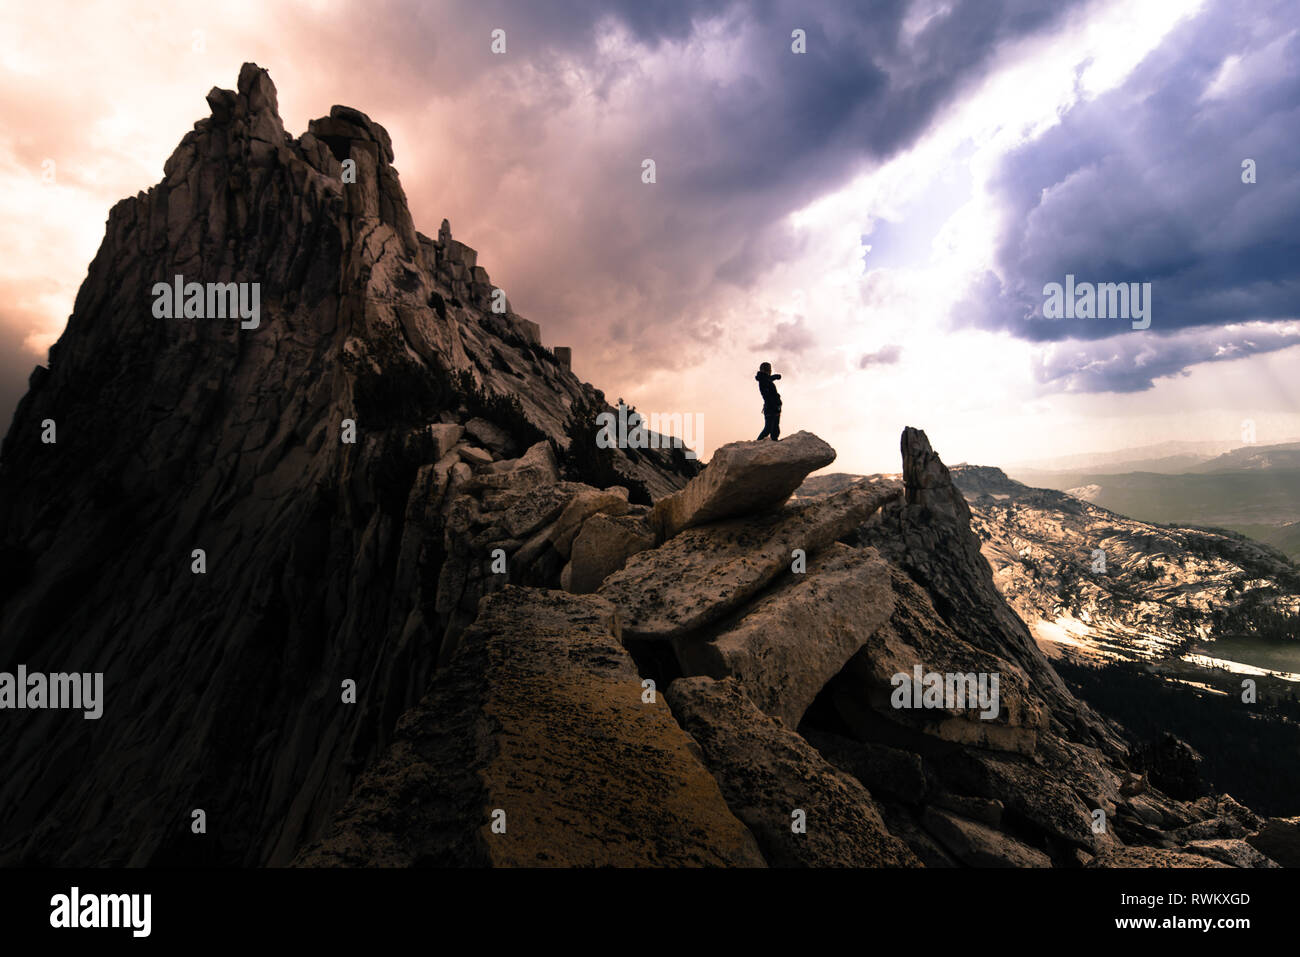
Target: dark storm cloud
{"points": [[863, 88], [1144, 184], [536, 156], [737, 148], [1132, 364]]}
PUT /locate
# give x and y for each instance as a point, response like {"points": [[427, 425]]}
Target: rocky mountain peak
{"points": [[237, 514], [357, 576]]}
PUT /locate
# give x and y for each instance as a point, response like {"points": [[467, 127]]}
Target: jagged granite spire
{"points": [[322, 558]]}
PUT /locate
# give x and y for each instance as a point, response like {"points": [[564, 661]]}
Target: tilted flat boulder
{"points": [[767, 772], [474, 457], [540, 715], [703, 574], [798, 636], [742, 478]]}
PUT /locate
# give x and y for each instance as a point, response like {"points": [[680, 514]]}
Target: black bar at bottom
{"points": [[330, 908]]}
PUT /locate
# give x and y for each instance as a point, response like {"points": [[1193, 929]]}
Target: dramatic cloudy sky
{"points": [[877, 217]]}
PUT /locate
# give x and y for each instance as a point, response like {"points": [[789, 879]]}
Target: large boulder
{"points": [[603, 547], [742, 478], [444, 437], [609, 501], [800, 634], [535, 467], [703, 574], [490, 436], [540, 717], [541, 506], [768, 774], [865, 691]]}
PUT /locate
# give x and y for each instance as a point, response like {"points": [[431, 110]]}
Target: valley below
{"points": [[1192, 631]]}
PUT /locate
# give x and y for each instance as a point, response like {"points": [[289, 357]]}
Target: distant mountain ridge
{"points": [[1123, 459], [1161, 586], [1254, 457], [1253, 489], [1168, 458]]}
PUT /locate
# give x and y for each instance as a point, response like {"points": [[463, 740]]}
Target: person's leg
{"points": [[775, 427], [762, 435]]}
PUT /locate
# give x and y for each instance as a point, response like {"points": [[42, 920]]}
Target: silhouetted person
{"points": [[771, 402]]}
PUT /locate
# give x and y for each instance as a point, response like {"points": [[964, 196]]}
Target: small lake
{"points": [[1249, 656]]}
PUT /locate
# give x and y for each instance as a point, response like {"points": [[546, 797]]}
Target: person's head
{"points": [[765, 368]]}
